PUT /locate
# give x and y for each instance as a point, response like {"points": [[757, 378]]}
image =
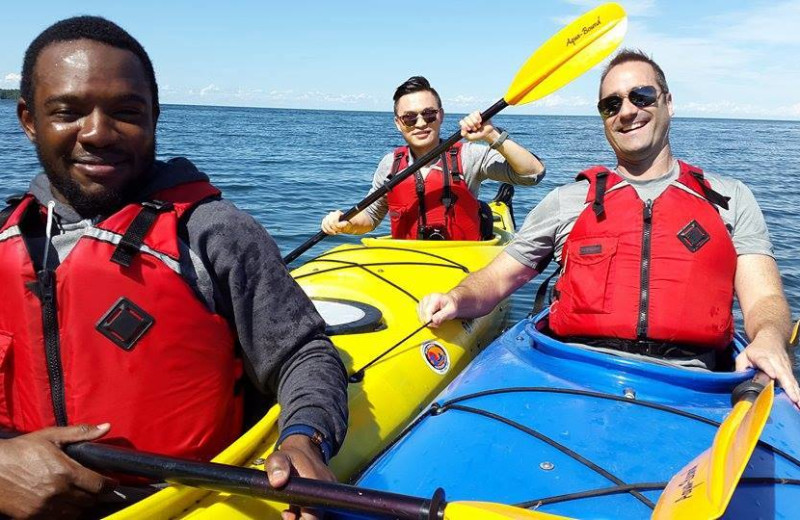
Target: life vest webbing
{"points": [[133, 238], [12, 202], [711, 195]]}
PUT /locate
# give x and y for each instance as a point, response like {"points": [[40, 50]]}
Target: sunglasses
{"points": [[429, 115], [641, 97]]}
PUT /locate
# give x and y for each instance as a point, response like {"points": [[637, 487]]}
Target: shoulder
{"points": [[725, 185], [572, 194]]}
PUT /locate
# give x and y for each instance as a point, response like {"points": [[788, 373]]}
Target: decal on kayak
{"points": [[468, 325], [436, 357]]}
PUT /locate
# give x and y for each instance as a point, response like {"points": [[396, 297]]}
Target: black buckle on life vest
{"points": [[454, 169], [124, 323], [133, 238]]}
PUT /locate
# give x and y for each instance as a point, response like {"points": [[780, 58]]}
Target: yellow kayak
{"points": [[368, 296]]}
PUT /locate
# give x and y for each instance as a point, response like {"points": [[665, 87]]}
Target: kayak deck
{"points": [[578, 433]]}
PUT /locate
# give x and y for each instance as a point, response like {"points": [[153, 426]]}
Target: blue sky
{"points": [[722, 58]]}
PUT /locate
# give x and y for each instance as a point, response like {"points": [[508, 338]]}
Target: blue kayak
{"points": [[585, 434]]}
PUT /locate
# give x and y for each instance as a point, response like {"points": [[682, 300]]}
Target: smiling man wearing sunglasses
{"points": [[651, 254], [441, 201]]}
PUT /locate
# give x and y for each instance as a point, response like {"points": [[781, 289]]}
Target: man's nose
{"points": [[98, 129]]}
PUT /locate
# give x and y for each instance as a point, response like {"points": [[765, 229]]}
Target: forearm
{"points": [[769, 316], [760, 293], [523, 162], [313, 391], [480, 292]]}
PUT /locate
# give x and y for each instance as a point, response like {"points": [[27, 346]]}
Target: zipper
{"points": [[644, 274], [52, 344], [52, 340]]}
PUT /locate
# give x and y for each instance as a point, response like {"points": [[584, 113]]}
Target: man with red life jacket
{"points": [[137, 303], [651, 254], [441, 200]]}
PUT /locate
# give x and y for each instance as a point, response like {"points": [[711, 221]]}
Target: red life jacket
{"points": [[439, 206], [661, 270], [115, 334]]}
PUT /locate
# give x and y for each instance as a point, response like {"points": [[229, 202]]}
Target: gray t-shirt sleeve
{"points": [[378, 209], [535, 240], [286, 353], [547, 226], [481, 162], [750, 234]]}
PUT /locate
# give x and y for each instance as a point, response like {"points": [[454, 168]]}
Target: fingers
{"points": [[332, 223], [436, 308], [82, 478], [775, 364], [473, 127], [61, 436]]}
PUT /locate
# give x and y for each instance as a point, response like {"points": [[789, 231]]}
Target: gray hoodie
{"points": [[233, 265]]}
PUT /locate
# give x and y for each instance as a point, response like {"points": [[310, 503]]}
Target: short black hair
{"points": [[90, 28], [626, 55], [415, 84]]}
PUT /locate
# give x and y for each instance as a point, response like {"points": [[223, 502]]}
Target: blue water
{"points": [[290, 167]]}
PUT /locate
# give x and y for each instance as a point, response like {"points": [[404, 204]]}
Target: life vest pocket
{"points": [[590, 264], [5, 377]]}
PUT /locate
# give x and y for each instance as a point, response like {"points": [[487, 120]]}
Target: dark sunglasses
{"points": [[641, 97], [429, 115]]}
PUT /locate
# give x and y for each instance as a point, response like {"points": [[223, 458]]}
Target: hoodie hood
{"points": [[163, 175]]}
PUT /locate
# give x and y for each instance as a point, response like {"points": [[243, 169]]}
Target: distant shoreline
{"points": [[12, 95], [6, 93]]}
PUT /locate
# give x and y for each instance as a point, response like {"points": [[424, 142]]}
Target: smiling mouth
{"points": [[633, 127]]}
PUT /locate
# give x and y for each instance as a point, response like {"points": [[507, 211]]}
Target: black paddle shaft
{"points": [[396, 179], [236, 480]]}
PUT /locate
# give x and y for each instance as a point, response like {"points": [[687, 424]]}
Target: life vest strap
{"points": [[133, 238], [12, 202], [712, 196], [600, 194]]}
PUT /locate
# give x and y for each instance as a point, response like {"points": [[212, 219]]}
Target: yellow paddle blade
{"points": [[795, 332], [491, 511], [569, 53], [703, 489]]}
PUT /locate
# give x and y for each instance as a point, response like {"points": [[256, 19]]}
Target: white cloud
{"points": [[632, 8], [13, 77], [210, 88], [558, 101], [11, 80], [767, 23]]}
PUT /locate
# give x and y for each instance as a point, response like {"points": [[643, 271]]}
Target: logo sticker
{"points": [[436, 356]]}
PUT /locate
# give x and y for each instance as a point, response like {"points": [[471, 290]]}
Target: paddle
{"points": [[569, 53], [795, 333], [703, 488], [298, 491]]}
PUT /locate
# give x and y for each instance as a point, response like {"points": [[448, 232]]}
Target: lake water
{"points": [[290, 167]]}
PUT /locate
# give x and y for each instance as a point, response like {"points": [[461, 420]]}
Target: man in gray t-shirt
{"points": [[636, 107], [418, 117]]}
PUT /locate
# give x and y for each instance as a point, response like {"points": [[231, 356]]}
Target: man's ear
{"points": [[25, 116]]}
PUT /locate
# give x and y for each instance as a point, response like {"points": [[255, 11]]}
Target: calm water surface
{"points": [[289, 167]]}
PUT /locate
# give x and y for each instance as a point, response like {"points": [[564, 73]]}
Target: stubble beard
{"points": [[88, 205]]}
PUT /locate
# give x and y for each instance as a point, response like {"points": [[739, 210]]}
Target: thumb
{"points": [[80, 432], [742, 362], [277, 467]]}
